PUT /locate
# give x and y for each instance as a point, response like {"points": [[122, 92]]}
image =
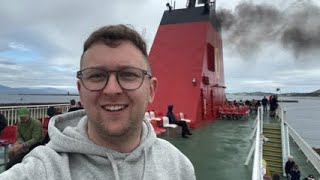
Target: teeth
{"points": [[115, 108]]}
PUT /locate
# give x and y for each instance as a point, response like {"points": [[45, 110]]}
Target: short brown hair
{"points": [[113, 35]]}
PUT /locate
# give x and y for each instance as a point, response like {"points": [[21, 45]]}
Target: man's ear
{"points": [[153, 87], [79, 86]]}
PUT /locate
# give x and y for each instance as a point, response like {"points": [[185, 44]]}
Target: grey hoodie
{"points": [[72, 155]]}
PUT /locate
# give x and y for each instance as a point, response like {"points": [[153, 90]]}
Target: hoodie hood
{"points": [[68, 134]]}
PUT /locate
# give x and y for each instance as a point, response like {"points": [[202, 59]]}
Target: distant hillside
{"points": [[310, 94], [253, 93], [9, 90], [313, 94]]}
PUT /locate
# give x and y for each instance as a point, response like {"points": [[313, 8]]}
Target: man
{"points": [[289, 165], [265, 102], [173, 120], [29, 135], [109, 139]]}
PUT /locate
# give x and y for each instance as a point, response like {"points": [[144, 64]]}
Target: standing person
{"points": [[29, 135], [109, 139], [273, 106], [173, 120], [265, 102], [295, 172], [289, 165]]}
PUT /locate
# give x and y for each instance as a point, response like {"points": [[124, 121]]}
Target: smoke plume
{"points": [[252, 26]]}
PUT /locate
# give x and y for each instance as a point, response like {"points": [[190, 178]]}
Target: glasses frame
{"points": [[116, 72]]}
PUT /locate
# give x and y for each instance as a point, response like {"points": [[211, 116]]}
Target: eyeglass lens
{"points": [[128, 78]]}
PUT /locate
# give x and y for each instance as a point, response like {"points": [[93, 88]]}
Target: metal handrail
{"points": [[284, 140], [257, 173], [36, 111], [311, 155]]}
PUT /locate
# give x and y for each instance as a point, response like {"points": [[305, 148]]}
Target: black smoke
{"points": [[251, 27]]}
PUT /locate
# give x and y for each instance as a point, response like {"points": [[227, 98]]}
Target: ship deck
{"points": [[219, 150]]}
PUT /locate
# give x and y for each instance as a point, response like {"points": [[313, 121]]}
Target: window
{"points": [[211, 57]]}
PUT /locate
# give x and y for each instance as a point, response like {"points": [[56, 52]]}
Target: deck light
{"points": [[194, 81]]}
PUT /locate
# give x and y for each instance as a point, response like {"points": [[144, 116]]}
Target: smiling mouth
{"points": [[113, 108]]}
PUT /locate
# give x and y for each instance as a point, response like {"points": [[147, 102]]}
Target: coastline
{"points": [[46, 94], [28, 104]]}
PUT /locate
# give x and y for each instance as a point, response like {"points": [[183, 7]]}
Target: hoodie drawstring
{"points": [[144, 163], [114, 166]]}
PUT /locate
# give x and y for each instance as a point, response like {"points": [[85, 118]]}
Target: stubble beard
{"points": [[133, 127]]}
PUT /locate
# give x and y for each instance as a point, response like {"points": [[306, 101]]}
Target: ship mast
{"points": [[208, 4]]}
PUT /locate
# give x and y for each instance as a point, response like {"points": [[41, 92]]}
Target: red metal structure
{"points": [[186, 57]]}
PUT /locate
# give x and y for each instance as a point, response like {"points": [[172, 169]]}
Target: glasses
{"points": [[96, 79]]}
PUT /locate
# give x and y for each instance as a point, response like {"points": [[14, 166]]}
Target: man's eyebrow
{"points": [[112, 69]]}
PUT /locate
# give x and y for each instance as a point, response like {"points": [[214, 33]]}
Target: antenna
{"points": [[203, 1], [191, 3]]}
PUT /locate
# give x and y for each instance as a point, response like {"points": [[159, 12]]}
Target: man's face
{"points": [[25, 119], [112, 111]]}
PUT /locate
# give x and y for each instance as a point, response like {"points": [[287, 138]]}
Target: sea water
{"points": [[14, 98], [303, 116]]}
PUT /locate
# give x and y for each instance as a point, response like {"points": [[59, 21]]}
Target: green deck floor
{"points": [[219, 149]]}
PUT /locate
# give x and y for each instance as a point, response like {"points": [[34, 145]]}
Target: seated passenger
{"points": [[29, 135], [173, 120], [295, 172], [310, 177], [75, 106], [3, 122], [52, 111]]}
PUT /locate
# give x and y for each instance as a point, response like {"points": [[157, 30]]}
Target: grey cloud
{"points": [[6, 62], [56, 31], [60, 27], [251, 25]]}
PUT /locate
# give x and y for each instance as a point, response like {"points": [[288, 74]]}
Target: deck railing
{"points": [[257, 173], [36, 111], [284, 139], [308, 151]]}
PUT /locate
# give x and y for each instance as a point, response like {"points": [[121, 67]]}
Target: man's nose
{"points": [[112, 86]]}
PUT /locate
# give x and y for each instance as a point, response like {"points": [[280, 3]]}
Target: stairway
{"points": [[272, 149]]}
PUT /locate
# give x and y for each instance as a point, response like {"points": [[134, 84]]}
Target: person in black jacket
{"points": [[265, 102], [289, 165], [273, 106], [295, 172], [3, 122], [51, 111], [173, 120]]}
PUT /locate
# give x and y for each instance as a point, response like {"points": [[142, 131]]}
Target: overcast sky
{"points": [[41, 41]]}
